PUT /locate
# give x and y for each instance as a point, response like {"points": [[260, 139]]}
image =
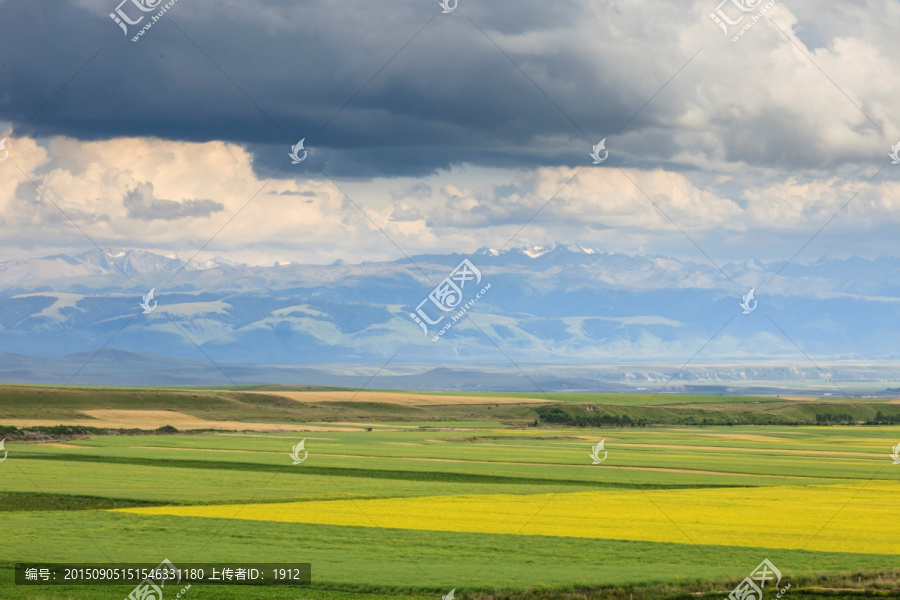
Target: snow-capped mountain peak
{"points": [[106, 261]]}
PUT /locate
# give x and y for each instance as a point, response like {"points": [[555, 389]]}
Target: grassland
{"points": [[408, 500], [39, 406]]}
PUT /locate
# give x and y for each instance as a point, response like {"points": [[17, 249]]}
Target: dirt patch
{"points": [[154, 419], [399, 398]]}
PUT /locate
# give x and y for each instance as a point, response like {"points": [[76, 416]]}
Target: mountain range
{"points": [[560, 305]]}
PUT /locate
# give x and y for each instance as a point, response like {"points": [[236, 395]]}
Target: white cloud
{"points": [[100, 186], [113, 190]]}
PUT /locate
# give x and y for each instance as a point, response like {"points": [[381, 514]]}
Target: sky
{"points": [[433, 132]]}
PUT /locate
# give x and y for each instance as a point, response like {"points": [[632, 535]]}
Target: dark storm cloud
{"points": [[449, 96], [142, 204]]}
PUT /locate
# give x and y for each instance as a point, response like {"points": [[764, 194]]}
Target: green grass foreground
{"points": [[56, 495]]}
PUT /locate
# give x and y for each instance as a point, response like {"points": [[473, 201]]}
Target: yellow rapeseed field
{"points": [[862, 518]]}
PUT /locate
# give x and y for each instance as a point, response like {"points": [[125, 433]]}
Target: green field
{"points": [[104, 497], [266, 406]]}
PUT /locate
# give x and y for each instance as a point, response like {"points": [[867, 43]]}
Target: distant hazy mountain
{"points": [[563, 305], [119, 368], [109, 261]]}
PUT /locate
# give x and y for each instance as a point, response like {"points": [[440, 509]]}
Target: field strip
{"points": [[444, 460], [534, 464], [399, 398], [743, 436], [379, 426], [755, 450], [153, 419], [183, 449], [865, 521], [611, 441]]}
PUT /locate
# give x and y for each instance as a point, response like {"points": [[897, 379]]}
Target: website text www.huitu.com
{"points": [[154, 19], [753, 20]]}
